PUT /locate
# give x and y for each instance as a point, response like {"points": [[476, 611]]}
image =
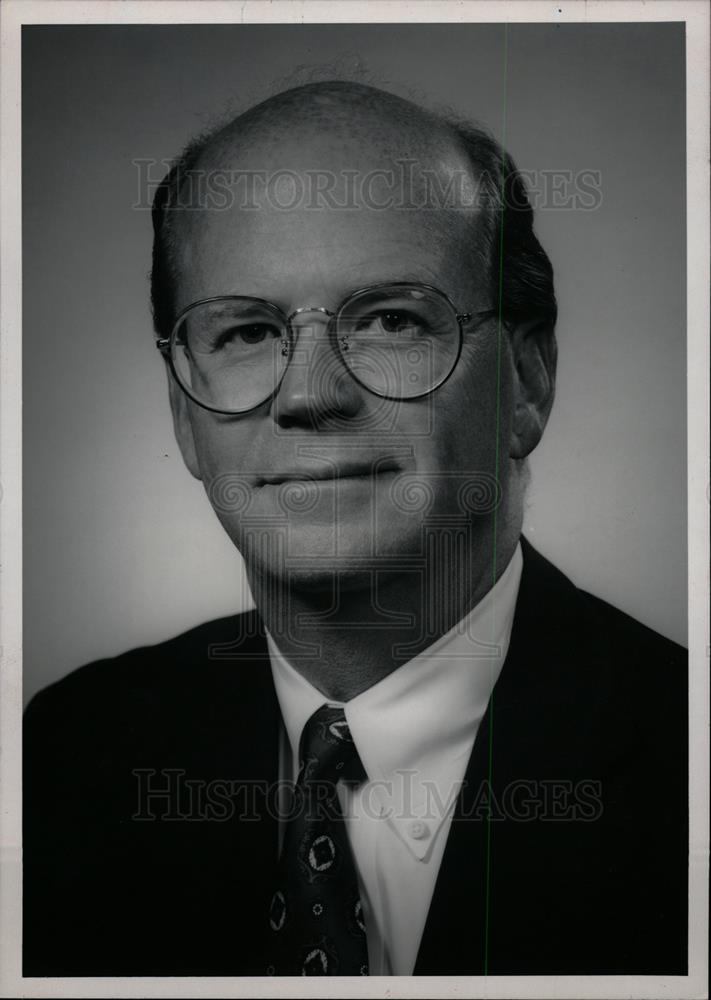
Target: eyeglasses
{"points": [[399, 341]]}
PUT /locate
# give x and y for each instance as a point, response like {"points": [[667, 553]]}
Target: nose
{"points": [[316, 391]]}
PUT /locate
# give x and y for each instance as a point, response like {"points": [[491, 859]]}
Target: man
{"points": [[490, 765]]}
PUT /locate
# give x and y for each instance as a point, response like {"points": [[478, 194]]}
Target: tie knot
{"points": [[327, 751]]}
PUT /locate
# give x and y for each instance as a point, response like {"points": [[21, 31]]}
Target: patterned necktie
{"points": [[316, 917]]}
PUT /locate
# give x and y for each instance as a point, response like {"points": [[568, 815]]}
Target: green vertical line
{"points": [[502, 210]]}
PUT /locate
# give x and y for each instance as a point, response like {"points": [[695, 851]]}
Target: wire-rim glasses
{"points": [[399, 341]]}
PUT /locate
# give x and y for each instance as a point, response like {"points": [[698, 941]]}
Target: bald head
{"points": [[337, 146], [337, 137], [334, 111]]}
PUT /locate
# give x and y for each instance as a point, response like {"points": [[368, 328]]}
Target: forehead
{"points": [[316, 213]]}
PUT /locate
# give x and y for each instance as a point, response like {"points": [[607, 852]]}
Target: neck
{"points": [[345, 635]]}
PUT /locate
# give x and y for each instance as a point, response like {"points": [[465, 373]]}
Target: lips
{"points": [[324, 473]]}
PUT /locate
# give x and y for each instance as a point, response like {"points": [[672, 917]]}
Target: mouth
{"points": [[332, 473]]}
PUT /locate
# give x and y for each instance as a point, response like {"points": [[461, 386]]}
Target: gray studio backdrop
{"points": [[121, 547]]}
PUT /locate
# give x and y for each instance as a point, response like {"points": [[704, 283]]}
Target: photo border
{"points": [[15, 13]]}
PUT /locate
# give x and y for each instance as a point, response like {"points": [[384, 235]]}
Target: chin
{"points": [[310, 554]]}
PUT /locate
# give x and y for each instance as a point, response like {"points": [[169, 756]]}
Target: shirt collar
{"points": [[417, 725]]}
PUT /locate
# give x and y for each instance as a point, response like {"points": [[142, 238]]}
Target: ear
{"points": [[182, 425], [534, 355]]}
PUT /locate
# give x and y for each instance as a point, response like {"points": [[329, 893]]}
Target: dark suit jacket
{"points": [[567, 854]]}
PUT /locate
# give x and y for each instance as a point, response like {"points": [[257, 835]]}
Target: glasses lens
{"points": [[401, 341], [230, 353]]}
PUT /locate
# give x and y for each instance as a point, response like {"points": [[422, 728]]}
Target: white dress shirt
{"points": [[414, 731]]}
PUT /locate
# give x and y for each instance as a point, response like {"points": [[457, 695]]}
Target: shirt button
{"points": [[418, 830]]}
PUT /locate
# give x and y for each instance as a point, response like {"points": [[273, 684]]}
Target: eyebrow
{"points": [[405, 277]]}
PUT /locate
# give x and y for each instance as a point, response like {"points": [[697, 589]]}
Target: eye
{"points": [[397, 322], [393, 322], [252, 333]]}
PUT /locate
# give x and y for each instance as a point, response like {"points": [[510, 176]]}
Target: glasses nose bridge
{"points": [[321, 311]]}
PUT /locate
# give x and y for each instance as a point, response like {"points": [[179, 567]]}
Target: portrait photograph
{"points": [[355, 499]]}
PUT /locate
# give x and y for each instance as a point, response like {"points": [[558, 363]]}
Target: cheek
{"points": [[220, 445], [474, 405]]}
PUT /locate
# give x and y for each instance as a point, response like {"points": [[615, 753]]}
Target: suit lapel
{"points": [[523, 721], [238, 737]]}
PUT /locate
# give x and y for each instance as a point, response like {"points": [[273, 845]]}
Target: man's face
{"points": [[327, 476]]}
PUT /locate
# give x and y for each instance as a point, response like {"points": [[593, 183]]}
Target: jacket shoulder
{"points": [[182, 730], [159, 677], [632, 636], [597, 660], [549, 595]]}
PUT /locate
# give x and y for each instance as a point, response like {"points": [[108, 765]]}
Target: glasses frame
{"points": [[165, 344]]}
